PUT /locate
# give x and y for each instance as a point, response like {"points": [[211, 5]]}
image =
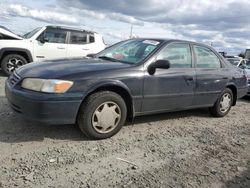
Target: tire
{"points": [[11, 62], [102, 115], [217, 110]]}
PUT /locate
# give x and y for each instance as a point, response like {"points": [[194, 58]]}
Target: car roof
{"points": [[70, 28], [166, 40]]}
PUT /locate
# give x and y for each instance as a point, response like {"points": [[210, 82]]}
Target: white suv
{"points": [[50, 42]]}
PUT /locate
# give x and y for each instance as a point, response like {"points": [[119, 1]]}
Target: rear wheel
{"points": [[223, 104], [102, 115], [11, 62]]}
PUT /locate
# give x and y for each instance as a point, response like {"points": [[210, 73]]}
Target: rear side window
{"points": [[78, 38], [54, 35], [179, 55], [206, 58], [91, 39]]}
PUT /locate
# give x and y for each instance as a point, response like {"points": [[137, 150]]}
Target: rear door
{"points": [[55, 45], [80, 44], [211, 76]]}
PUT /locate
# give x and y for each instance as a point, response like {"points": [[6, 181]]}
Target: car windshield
{"points": [[31, 33], [131, 51]]}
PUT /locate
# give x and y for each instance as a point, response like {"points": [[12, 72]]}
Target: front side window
{"points": [[205, 58], [131, 51], [78, 38], [179, 55], [54, 36]]}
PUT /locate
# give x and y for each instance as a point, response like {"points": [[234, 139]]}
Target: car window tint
{"points": [[205, 58], [55, 36], [179, 55], [78, 38]]}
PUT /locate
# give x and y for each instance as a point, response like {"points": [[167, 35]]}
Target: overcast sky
{"points": [[224, 23]]}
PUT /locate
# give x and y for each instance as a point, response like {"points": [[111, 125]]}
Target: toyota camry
{"points": [[131, 78]]}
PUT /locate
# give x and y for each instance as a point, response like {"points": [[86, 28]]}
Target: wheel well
{"points": [[234, 90], [24, 54], [123, 93]]}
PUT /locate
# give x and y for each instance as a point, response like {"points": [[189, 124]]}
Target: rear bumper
{"points": [[42, 107], [241, 92]]}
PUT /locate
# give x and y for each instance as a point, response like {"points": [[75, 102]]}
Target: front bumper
{"points": [[42, 107]]}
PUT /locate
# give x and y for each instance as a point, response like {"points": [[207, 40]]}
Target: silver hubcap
{"points": [[225, 102], [13, 64], [106, 117]]}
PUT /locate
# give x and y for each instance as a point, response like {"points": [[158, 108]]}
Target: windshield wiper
{"points": [[108, 58]]}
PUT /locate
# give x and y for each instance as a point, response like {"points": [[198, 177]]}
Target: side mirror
{"points": [[159, 64], [43, 40]]}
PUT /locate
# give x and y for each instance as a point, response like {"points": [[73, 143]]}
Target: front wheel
{"points": [[223, 104], [11, 62], [102, 115]]}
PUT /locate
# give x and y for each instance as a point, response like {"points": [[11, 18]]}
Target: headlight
{"points": [[47, 86]]}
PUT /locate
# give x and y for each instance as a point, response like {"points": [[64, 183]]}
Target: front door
{"points": [[173, 88], [53, 46]]}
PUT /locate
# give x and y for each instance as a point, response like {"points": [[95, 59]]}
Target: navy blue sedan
{"points": [[131, 78]]}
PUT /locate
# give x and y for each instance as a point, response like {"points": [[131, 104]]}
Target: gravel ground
{"points": [[182, 149]]}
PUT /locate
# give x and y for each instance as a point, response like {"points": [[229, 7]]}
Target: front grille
{"points": [[14, 78]]}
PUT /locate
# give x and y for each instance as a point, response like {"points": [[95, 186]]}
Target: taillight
{"points": [[245, 76]]}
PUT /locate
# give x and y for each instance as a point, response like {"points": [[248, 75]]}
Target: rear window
{"points": [[206, 58], [91, 39], [78, 38], [81, 38]]}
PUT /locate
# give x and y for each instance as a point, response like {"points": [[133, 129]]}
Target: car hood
{"points": [[7, 34], [62, 68]]}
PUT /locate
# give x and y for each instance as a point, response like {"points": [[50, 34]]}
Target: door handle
{"points": [[61, 48], [85, 49], [189, 78], [225, 78]]}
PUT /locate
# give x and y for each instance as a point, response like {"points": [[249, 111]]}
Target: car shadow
{"points": [[246, 99], [239, 181], [14, 129], [171, 115]]}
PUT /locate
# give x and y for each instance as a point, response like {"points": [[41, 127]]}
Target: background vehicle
{"points": [[234, 60], [132, 78], [243, 64], [247, 54], [247, 69], [48, 42]]}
